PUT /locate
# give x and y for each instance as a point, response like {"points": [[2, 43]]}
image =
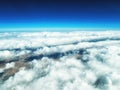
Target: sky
{"points": [[84, 14]]}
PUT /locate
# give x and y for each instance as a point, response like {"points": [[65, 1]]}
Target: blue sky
{"points": [[85, 14]]}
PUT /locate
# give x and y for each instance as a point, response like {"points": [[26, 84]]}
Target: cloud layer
{"points": [[60, 61]]}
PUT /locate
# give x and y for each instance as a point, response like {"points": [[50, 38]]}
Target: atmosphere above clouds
{"points": [[104, 14]]}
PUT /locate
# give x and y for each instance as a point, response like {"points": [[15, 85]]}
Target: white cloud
{"points": [[66, 72]]}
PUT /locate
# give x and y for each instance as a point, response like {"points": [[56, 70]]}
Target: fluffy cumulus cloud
{"points": [[60, 60]]}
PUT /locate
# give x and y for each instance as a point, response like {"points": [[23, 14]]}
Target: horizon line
{"points": [[57, 29]]}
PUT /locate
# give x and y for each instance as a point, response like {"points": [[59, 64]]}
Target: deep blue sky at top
{"points": [[60, 14]]}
